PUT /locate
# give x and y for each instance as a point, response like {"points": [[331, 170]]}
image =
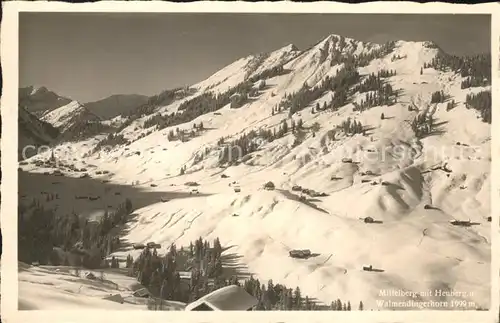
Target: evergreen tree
{"points": [[481, 102], [307, 304], [128, 205], [285, 126], [297, 298]]}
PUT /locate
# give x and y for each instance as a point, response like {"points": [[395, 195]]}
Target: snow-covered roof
{"points": [[115, 298], [141, 292], [229, 298], [185, 274]]}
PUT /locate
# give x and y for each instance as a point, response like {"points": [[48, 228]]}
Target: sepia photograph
{"points": [[254, 161]]}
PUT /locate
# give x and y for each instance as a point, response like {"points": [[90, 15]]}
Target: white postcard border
{"points": [[9, 58]]}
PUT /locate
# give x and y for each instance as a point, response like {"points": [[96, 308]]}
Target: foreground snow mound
{"points": [[68, 288], [53, 287]]}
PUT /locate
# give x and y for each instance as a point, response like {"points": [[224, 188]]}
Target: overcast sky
{"points": [[89, 56]]}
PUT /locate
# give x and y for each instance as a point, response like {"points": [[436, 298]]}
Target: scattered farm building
{"points": [[143, 292], [269, 186], [300, 253], [115, 298]]}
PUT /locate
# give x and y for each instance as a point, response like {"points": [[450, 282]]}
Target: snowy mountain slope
{"points": [[76, 120], [67, 115], [246, 67], [46, 118], [39, 100], [116, 105], [219, 82], [33, 131], [414, 185]]}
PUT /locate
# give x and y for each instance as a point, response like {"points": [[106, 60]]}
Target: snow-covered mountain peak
{"points": [[345, 45], [39, 100], [286, 49], [34, 90], [247, 67], [39, 90], [290, 48], [67, 115]]}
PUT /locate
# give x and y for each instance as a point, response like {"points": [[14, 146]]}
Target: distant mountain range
{"points": [[46, 117], [40, 101]]}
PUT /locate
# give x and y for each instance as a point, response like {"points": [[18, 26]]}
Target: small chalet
{"points": [[117, 298], [153, 245], [300, 253], [185, 275], [269, 186], [143, 292], [139, 246], [461, 223]]}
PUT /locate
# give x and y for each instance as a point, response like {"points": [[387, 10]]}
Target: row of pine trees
{"points": [[205, 262], [81, 243], [340, 85], [249, 142], [477, 68], [481, 102]]}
